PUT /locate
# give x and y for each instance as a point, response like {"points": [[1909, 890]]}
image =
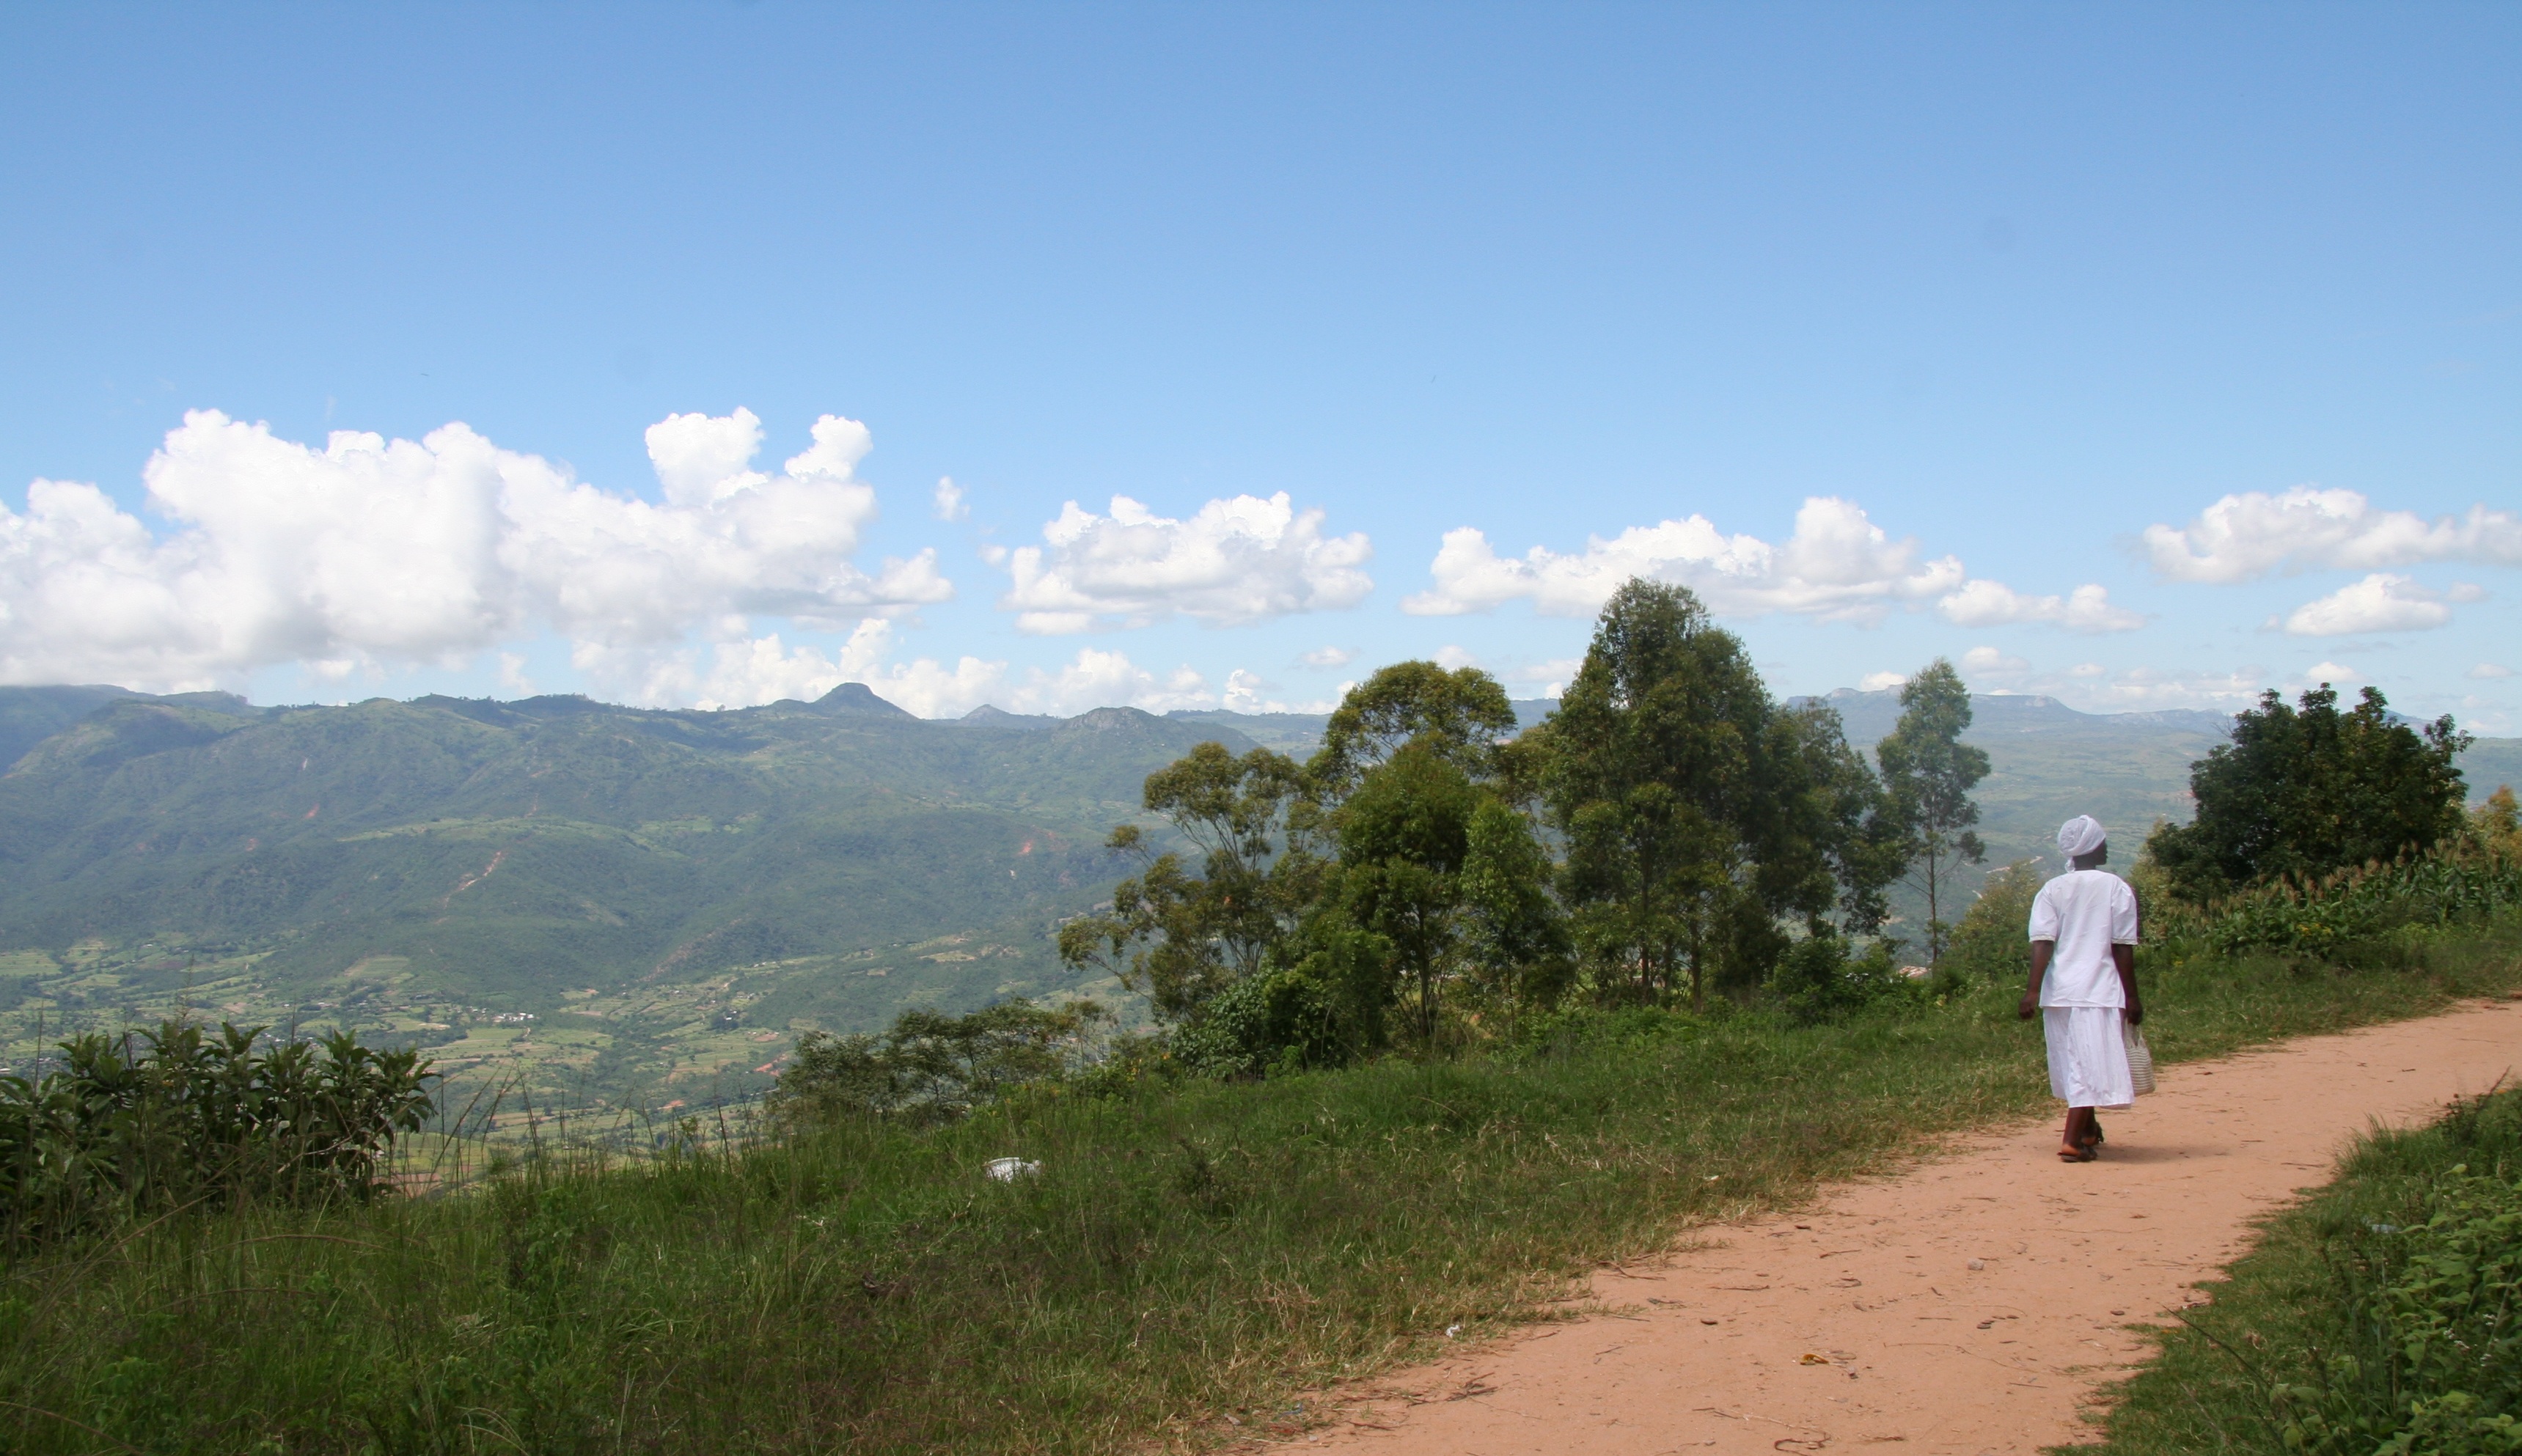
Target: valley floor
{"points": [[1979, 1301]]}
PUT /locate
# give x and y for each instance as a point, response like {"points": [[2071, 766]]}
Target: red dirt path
{"points": [[1975, 1303]]}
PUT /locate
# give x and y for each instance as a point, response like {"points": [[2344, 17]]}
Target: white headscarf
{"points": [[2080, 836]]}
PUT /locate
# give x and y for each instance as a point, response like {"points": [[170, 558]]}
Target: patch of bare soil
{"points": [[1979, 1301]]}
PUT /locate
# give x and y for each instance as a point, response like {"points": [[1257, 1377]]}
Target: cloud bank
{"points": [[2244, 538], [1837, 565], [368, 550], [1235, 561]]}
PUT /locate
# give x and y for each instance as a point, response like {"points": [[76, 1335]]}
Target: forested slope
{"points": [[421, 866]]}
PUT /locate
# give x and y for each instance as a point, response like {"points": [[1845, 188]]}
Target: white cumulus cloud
{"points": [[1837, 565], [2380, 603], [1329, 657], [368, 550], [1247, 692], [2245, 536], [1980, 603], [1234, 562], [949, 502], [2489, 671], [1987, 662]]}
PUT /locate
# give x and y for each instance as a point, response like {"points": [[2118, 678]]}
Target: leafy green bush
{"points": [[2447, 886], [1821, 979], [930, 1067], [1992, 943], [1278, 1018], [2311, 790], [187, 1117], [2429, 1356]]}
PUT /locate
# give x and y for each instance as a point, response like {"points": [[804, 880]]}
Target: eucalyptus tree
{"points": [[1696, 813], [1420, 796], [1461, 716], [1931, 772], [1177, 934]]}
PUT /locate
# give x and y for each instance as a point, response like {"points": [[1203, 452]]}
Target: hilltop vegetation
{"points": [[1448, 1013], [629, 907], [1191, 1261]]}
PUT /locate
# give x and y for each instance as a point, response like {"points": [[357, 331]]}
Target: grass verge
{"points": [[1222, 1249], [2376, 1316]]}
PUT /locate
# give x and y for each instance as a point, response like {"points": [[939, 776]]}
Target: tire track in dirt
{"points": [[1975, 1303]]}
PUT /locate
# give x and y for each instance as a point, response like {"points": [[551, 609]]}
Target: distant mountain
{"points": [[413, 866], [1298, 735], [29, 715], [633, 903]]}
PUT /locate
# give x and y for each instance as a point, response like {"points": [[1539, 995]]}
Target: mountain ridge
{"points": [[558, 889]]}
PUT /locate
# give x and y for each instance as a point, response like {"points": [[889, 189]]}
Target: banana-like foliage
{"points": [[147, 1122]]}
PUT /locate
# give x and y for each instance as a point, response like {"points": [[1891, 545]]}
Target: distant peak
{"points": [[1112, 717], [991, 716], [857, 698]]}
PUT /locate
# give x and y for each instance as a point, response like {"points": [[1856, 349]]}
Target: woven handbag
{"points": [[2140, 1059]]}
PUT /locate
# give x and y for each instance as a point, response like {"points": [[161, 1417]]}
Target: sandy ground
{"points": [[1975, 1303]]}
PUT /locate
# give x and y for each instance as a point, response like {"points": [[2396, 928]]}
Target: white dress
{"points": [[2084, 913]]}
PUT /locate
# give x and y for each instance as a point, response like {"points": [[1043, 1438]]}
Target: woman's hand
{"points": [[2030, 1005], [2135, 1015]]}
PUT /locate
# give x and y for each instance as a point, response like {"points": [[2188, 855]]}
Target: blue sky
{"points": [[2171, 351]]}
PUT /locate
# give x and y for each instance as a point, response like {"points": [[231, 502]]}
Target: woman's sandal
{"points": [[2095, 1139], [2080, 1155]]}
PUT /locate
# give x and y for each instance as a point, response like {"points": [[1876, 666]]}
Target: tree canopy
{"points": [[1670, 828], [1695, 810], [2308, 789]]}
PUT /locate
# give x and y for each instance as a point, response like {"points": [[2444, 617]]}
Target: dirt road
{"points": [[1973, 1303]]}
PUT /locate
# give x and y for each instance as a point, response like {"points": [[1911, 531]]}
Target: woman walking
{"points": [[2084, 983]]}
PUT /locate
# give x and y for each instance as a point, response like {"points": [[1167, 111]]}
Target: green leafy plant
{"points": [[178, 1117]]}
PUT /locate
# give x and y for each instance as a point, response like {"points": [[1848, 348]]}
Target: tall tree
{"points": [[1461, 716], [1403, 838], [2308, 790], [1846, 816], [1930, 773], [1686, 799], [1514, 940], [1177, 937], [1408, 762]]}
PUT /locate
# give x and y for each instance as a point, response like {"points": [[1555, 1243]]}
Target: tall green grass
{"points": [[1179, 1258]]}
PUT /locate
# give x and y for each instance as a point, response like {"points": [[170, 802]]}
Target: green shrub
{"points": [[1819, 978], [186, 1117], [930, 1067], [1992, 943], [2427, 1354], [2319, 915], [1278, 1017]]}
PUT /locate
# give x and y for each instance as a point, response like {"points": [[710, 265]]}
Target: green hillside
{"points": [[622, 901], [626, 907]]}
